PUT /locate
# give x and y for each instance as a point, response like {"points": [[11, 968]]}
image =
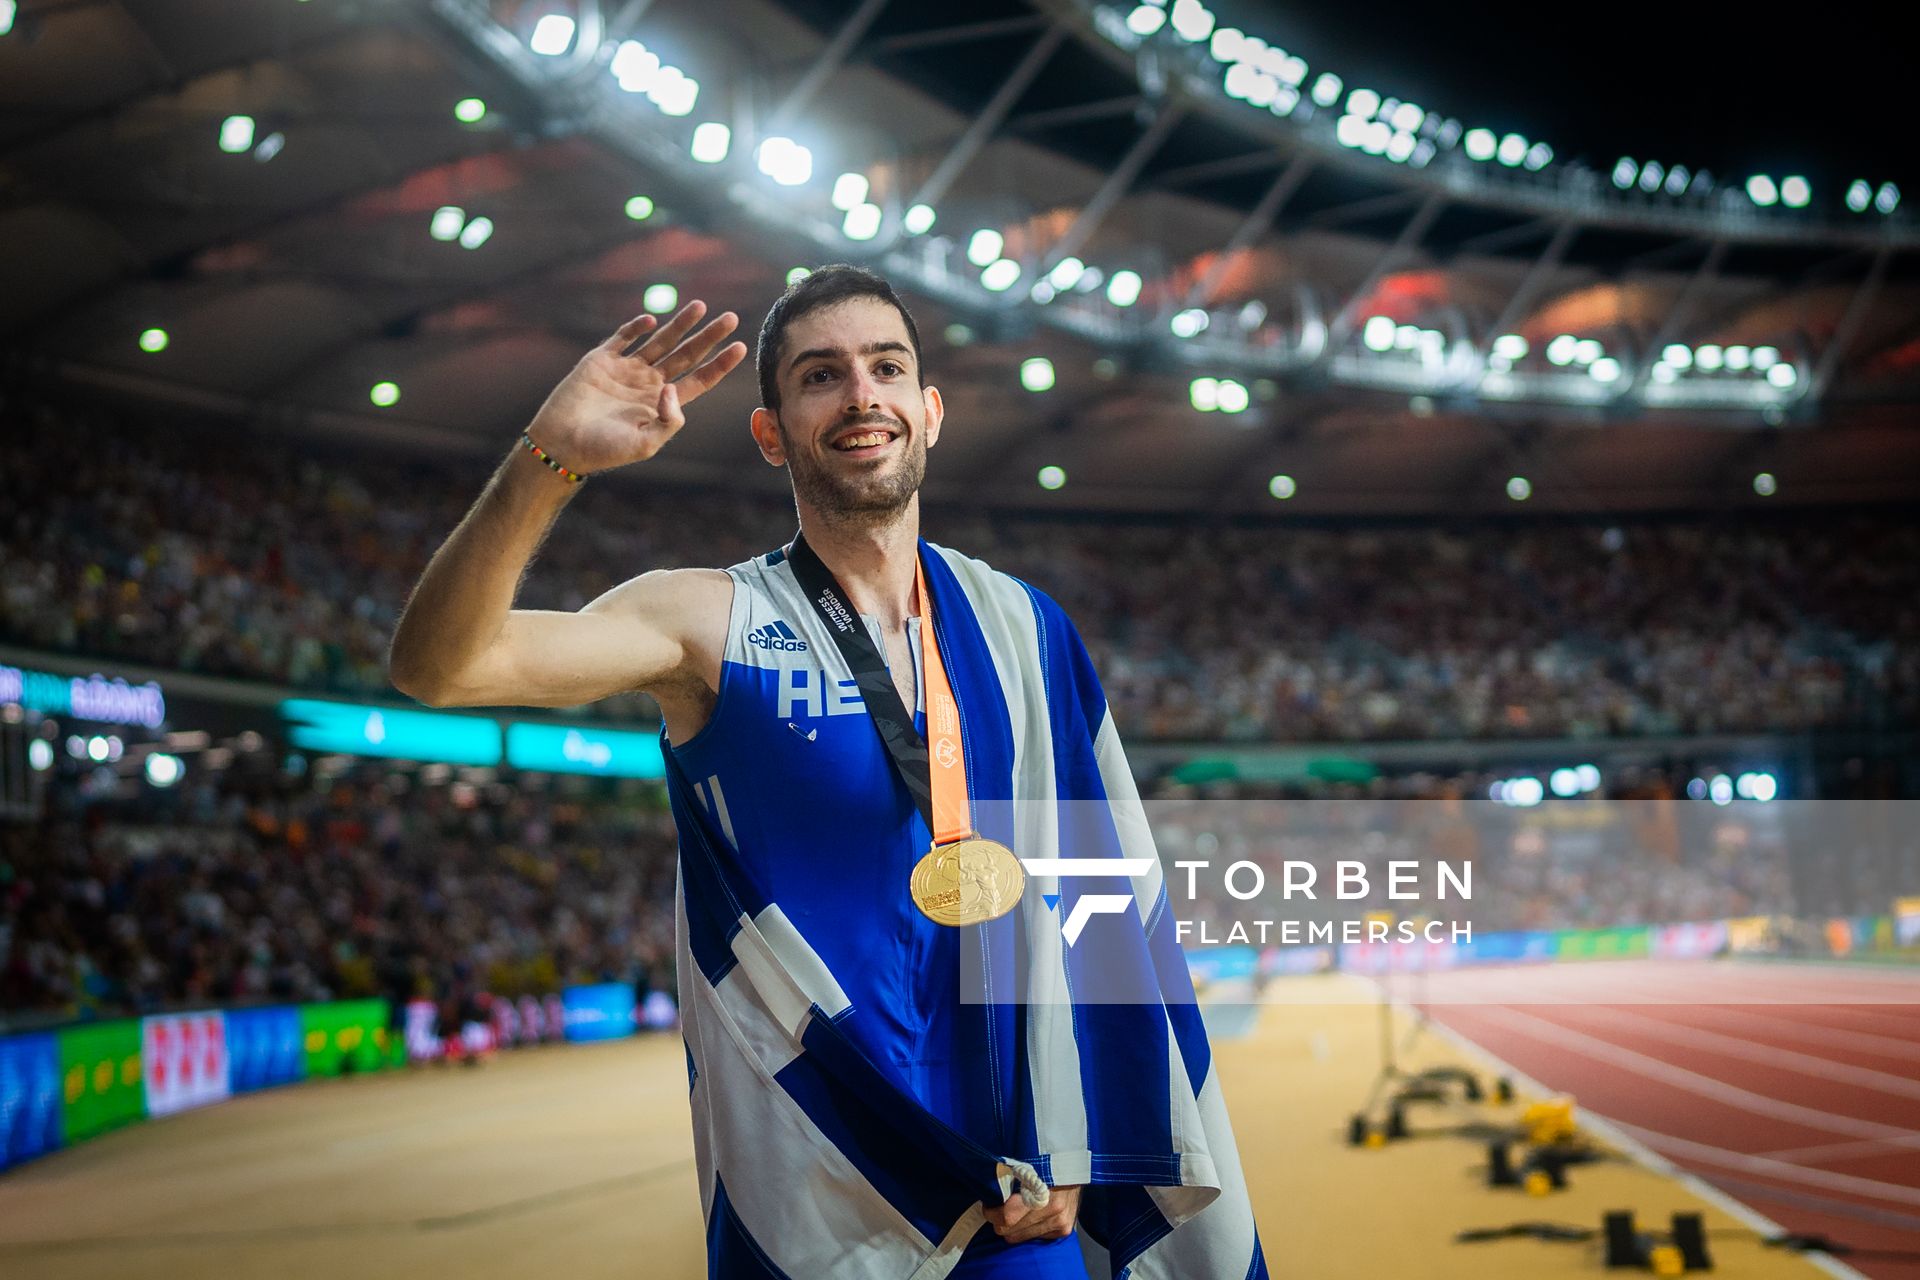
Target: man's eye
{"points": [[890, 368], [819, 375]]}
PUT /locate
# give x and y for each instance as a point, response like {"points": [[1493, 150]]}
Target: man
{"points": [[865, 1100]]}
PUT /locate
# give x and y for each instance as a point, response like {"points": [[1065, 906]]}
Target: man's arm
{"points": [[460, 642]]}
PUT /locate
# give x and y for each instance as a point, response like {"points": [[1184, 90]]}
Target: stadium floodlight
{"points": [[1762, 191], [270, 146], [384, 394], [1377, 140], [1042, 292], [1146, 19], [1678, 354], [470, 110], [1587, 350], [1605, 369], [640, 208], [862, 222], [1233, 397], [1066, 273], [1764, 358], [710, 142], [1665, 373], [1709, 357], [675, 92], [1228, 44], [1191, 20], [1036, 373], [447, 222], [1564, 783], [552, 35], [1186, 324], [798, 274], [1052, 477], [1204, 394], [1539, 156], [1326, 90], [163, 770], [1285, 99], [636, 67], [1624, 172], [1363, 103], [236, 134], [1783, 375], [999, 276], [1424, 152], [154, 341], [476, 233], [1765, 485], [1124, 289], [1350, 131], [1650, 175], [918, 219], [849, 189], [1795, 192], [1739, 358], [1378, 333], [1513, 150], [1239, 80], [7, 8], [1677, 180], [1859, 195], [1282, 487], [1510, 346], [1560, 350], [785, 161], [1293, 70], [985, 246], [1764, 787], [1481, 144], [1406, 337], [1252, 315], [1408, 118], [660, 299], [958, 335], [1400, 147], [1519, 488], [1720, 789], [1090, 279], [1888, 198]]}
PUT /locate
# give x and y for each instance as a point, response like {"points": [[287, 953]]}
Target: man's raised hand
{"points": [[625, 399]]}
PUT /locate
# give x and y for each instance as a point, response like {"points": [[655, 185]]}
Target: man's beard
{"points": [[862, 498]]}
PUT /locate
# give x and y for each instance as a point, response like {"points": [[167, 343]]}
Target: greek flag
{"points": [[815, 1162]]}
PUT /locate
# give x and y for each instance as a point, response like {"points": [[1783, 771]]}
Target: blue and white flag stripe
{"points": [[814, 1163]]}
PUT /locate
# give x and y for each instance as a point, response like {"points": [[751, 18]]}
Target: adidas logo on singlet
{"points": [[776, 635]]}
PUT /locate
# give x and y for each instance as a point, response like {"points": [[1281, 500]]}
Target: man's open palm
{"points": [[626, 397]]}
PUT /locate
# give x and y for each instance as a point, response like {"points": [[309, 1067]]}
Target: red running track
{"points": [[1792, 1088]]}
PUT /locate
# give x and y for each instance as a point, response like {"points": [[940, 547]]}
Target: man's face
{"points": [[854, 423]]}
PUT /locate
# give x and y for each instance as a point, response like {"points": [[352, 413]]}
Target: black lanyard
{"points": [[904, 744]]}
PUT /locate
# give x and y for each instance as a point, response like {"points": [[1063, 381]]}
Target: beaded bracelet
{"points": [[572, 477]]}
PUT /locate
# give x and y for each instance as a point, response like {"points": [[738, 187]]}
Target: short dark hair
{"points": [[825, 287]]}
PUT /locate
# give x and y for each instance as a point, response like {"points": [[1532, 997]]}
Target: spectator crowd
{"points": [[179, 550], [266, 885]]}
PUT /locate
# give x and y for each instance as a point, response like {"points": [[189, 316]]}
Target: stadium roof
{"points": [[285, 275]]}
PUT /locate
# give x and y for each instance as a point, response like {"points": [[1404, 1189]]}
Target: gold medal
{"points": [[970, 881]]}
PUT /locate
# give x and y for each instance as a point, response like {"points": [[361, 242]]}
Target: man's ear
{"points": [[765, 426], [936, 413]]}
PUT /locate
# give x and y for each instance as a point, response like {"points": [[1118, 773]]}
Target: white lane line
{"points": [[1692, 1081], [1860, 1041], [1720, 1157], [1843, 1150], [1764, 1055]]}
